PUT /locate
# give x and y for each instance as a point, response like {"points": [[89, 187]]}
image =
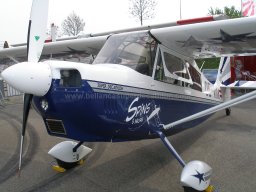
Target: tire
{"points": [[228, 112], [66, 165], [189, 189]]}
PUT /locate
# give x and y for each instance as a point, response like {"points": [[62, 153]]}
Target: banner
{"points": [[248, 7]]}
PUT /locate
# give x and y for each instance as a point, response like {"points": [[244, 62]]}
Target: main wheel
{"points": [[228, 111], [66, 165], [189, 189], [210, 188]]}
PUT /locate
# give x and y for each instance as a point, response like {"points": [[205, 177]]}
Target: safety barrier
{"points": [[7, 91]]}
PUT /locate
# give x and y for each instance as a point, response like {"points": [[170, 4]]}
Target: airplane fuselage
{"points": [[103, 103]]}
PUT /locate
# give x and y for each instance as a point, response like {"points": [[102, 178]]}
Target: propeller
{"points": [[30, 77]]}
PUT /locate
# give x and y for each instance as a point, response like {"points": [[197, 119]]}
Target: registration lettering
{"points": [[109, 86]]}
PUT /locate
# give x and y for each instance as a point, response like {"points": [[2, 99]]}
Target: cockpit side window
{"points": [[175, 66], [134, 50], [70, 78], [196, 78], [171, 69]]}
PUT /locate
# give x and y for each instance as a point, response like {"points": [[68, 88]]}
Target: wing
{"points": [[90, 45], [208, 39], [211, 39]]}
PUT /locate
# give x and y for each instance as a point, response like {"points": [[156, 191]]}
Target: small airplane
{"points": [[143, 84]]}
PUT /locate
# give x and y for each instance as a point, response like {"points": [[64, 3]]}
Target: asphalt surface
{"points": [[227, 144]]}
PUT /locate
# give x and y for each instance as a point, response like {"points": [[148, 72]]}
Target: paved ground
{"points": [[228, 144]]}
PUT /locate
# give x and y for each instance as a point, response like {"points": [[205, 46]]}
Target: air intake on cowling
{"points": [[55, 126]]}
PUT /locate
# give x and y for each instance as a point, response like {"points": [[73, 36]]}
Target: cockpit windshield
{"points": [[134, 50]]}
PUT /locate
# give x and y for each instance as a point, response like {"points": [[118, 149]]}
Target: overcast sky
{"points": [[99, 15]]}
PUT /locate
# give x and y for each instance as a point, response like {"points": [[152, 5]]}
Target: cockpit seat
{"points": [[142, 68]]}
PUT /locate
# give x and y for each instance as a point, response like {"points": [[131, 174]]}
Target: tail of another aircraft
{"points": [[224, 73], [224, 78]]}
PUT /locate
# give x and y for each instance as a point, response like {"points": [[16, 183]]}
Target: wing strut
{"points": [[214, 109]]}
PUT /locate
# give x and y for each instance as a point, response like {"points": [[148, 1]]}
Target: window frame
{"points": [[161, 50], [63, 84]]}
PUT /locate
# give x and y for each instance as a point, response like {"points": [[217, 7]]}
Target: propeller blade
{"points": [[35, 42], [37, 29], [26, 107]]}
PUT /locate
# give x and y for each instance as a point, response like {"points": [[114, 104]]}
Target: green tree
{"points": [[232, 12], [215, 11]]}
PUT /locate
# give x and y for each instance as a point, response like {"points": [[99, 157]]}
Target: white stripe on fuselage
{"points": [[103, 87], [118, 79]]}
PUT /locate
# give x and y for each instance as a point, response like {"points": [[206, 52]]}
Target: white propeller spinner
{"points": [[30, 78]]}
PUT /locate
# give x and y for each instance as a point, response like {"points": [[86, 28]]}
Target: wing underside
{"points": [[200, 40], [211, 39], [85, 46]]}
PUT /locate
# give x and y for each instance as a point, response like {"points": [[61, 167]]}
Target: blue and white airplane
{"points": [[144, 83]]}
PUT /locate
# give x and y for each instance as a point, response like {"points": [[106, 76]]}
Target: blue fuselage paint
{"points": [[92, 115]]}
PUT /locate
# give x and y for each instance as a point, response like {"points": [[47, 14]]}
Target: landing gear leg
{"points": [[171, 148], [76, 147], [195, 175]]}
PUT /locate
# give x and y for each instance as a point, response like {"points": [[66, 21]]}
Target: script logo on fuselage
{"points": [[138, 112]]}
